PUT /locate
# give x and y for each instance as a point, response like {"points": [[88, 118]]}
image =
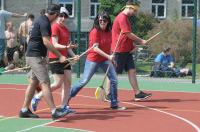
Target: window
{"points": [[159, 8], [187, 8], [94, 8], [69, 5]]}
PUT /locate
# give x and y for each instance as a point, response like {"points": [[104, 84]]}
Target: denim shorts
{"points": [[39, 70], [124, 61]]}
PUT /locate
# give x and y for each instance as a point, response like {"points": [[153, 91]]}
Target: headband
{"points": [[136, 7]]}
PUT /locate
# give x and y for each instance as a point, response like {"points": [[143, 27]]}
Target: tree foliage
{"points": [[177, 35]]}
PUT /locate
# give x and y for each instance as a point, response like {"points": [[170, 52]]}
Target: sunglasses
{"points": [[103, 21], [62, 15]]}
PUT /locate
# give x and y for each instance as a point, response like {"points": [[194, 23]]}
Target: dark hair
{"points": [[31, 16], [42, 12], [105, 16], [53, 9], [166, 49]]}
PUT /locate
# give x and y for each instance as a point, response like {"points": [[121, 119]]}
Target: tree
{"points": [[141, 23]]}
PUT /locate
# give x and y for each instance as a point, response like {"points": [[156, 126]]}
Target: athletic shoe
{"points": [[58, 114], [68, 110], [142, 96], [34, 103], [118, 108], [27, 114]]}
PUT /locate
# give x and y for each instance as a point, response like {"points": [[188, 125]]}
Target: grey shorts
{"points": [[39, 70]]}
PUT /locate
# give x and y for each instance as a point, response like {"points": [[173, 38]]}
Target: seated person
{"points": [[164, 63]]}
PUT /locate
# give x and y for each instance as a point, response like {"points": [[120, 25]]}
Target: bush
{"points": [[177, 35]]}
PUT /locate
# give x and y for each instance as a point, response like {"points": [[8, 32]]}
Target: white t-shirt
{"points": [[4, 15]]}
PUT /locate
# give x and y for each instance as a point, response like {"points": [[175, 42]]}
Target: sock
{"points": [[24, 109], [36, 96], [63, 106], [53, 110]]}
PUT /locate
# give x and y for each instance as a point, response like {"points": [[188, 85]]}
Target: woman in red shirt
{"points": [[99, 57], [61, 74]]}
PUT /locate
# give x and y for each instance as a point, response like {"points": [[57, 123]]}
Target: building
{"points": [[162, 9]]}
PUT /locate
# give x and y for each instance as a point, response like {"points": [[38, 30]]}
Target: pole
{"points": [[78, 33], [194, 33]]}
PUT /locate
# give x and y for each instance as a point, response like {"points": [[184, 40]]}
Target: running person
{"points": [[36, 58], [123, 53], [99, 57], [61, 74]]}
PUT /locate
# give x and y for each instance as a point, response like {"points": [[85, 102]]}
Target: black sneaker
{"points": [[27, 114], [58, 114], [118, 108], [142, 96]]}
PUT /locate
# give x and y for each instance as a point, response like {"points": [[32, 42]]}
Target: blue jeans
{"points": [[2, 48], [89, 70]]}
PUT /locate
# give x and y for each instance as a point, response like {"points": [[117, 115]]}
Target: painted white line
{"points": [[157, 110], [69, 128], [6, 118], [41, 125], [167, 113]]}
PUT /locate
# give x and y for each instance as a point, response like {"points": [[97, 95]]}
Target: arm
{"points": [[56, 44], [7, 35], [132, 36], [99, 51], [19, 15], [46, 41]]}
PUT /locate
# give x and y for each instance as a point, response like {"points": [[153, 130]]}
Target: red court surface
{"points": [[164, 112]]}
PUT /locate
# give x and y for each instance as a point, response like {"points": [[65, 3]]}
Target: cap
{"points": [[53, 8], [64, 10]]}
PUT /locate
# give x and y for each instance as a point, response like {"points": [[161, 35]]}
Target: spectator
{"points": [[4, 15], [12, 53], [164, 63], [23, 33]]}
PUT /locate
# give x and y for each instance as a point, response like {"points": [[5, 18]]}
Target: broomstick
{"points": [[100, 92]]}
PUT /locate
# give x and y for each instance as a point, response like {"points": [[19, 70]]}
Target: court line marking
{"points": [[143, 106], [41, 125], [161, 111]]}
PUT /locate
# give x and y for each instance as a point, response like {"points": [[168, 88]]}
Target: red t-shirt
{"points": [[104, 40], [121, 23], [63, 38]]}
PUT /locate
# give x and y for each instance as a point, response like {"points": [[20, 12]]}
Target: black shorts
{"points": [[124, 61], [58, 68], [10, 52]]}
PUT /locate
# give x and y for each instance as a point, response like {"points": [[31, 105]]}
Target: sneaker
{"points": [[68, 110], [34, 103], [58, 114], [27, 114], [142, 96], [118, 108]]}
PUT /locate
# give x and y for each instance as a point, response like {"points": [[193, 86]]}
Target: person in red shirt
{"points": [[123, 52], [61, 74], [99, 57]]}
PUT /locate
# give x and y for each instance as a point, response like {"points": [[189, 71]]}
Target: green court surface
{"points": [[19, 125], [145, 83]]}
